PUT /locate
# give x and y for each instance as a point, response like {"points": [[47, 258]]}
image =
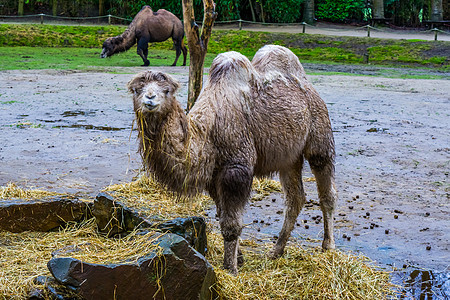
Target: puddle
{"points": [[90, 127], [50, 121], [422, 284], [74, 113]]}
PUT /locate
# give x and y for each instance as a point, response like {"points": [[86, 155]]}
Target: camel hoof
{"points": [[146, 64], [232, 270], [328, 245], [240, 260], [275, 253]]}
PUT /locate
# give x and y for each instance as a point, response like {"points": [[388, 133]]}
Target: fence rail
{"points": [[110, 20]]}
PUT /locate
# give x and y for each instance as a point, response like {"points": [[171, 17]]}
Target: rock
{"points": [[114, 218], [192, 229], [179, 272], [41, 215], [51, 290]]}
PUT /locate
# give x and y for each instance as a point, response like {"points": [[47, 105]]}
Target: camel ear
{"points": [[136, 84], [173, 84]]}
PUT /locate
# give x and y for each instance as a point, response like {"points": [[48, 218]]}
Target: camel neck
{"points": [[166, 150]]}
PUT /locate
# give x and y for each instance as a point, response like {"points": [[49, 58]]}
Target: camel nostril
{"points": [[150, 97]]}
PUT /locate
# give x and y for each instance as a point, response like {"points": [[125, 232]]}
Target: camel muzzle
{"points": [[104, 54], [149, 103]]}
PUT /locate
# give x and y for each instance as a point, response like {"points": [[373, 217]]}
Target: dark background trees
{"points": [[397, 12]]}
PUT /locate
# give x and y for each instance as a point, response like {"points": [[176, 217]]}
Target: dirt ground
{"points": [[72, 132]]}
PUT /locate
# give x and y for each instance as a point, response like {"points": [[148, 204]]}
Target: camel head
{"points": [[153, 92], [111, 45]]}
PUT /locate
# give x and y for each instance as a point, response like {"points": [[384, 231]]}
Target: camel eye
{"points": [[166, 91]]}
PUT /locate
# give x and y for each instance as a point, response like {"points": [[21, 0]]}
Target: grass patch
{"points": [[29, 58], [308, 47]]}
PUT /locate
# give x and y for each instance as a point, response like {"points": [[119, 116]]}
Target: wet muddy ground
{"points": [[72, 132]]}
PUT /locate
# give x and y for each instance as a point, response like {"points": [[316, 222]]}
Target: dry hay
{"points": [[11, 191], [152, 199], [23, 256], [302, 273]]}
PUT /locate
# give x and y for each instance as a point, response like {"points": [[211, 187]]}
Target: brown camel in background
{"points": [[148, 27]]}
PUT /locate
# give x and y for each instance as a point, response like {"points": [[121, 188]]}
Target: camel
{"points": [[148, 27], [252, 119]]}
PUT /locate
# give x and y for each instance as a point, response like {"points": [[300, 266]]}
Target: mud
{"points": [[72, 132]]}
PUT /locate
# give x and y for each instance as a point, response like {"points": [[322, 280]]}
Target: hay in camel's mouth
{"points": [[301, 273]]}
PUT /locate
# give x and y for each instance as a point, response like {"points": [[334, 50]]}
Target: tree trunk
{"points": [[263, 18], [20, 10], [55, 7], [308, 13], [436, 10], [378, 9], [198, 45], [100, 7], [252, 10]]}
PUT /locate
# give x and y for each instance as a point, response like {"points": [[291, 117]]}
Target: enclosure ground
{"points": [[72, 132]]}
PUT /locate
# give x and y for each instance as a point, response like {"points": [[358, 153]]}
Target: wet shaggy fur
{"points": [[148, 27], [252, 119]]}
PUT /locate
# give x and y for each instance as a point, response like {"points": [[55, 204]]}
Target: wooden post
{"points": [[435, 33], [42, 18], [304, 27], [240, 24], [368, 30], [198, 45]]}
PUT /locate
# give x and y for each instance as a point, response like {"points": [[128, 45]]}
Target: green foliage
{"points": [[283, 11], [340, 10], [406, 12], [226, 10]]}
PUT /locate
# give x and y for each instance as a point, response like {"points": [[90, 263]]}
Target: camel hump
{"points": [[146, 7], [233, 65], [272, 59]]}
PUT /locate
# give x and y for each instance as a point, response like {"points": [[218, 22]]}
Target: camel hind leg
{"points": [[178, 43], [291, 181], [323, 170], [184, 49]]}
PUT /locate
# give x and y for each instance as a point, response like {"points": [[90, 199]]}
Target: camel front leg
{"points": [[233, 190], [142, 51]]}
